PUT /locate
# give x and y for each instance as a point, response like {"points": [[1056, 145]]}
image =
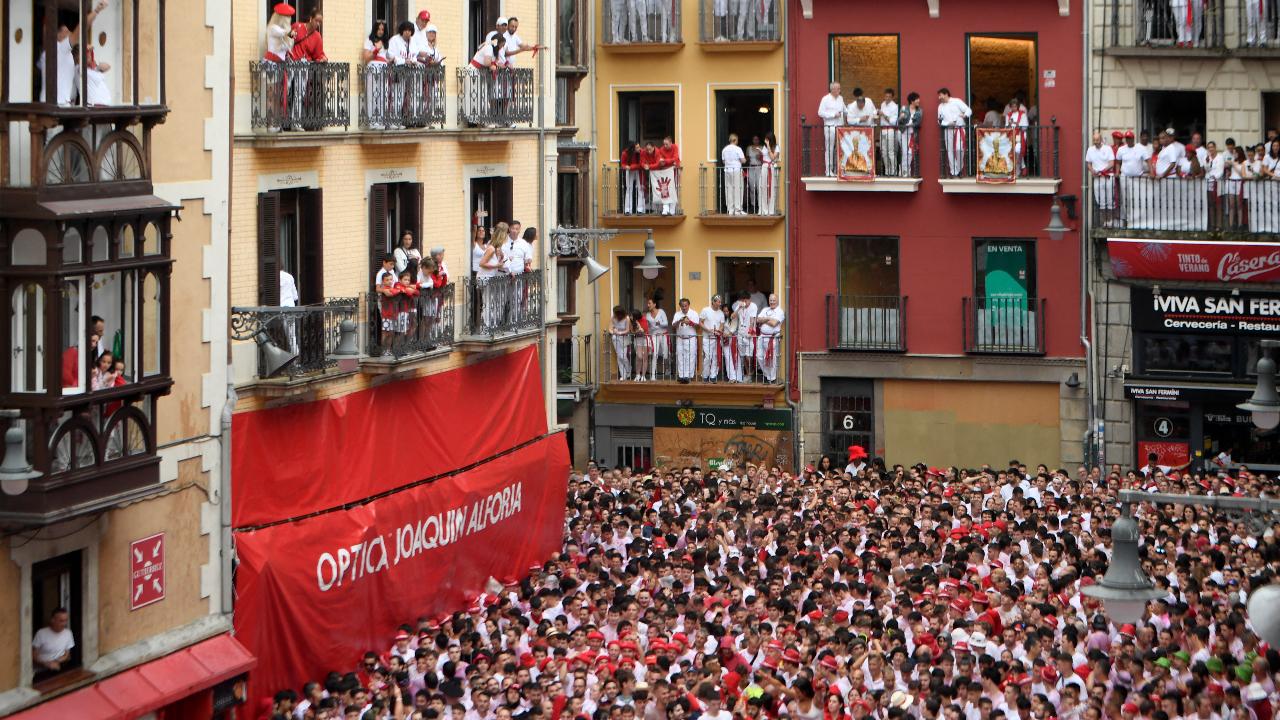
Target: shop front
{"points": [[1195, 354]]}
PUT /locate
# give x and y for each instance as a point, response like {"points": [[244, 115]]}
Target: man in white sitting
{"points": [[51, 647]]}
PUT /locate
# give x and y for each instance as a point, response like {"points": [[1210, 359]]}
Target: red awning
{"points": [[150, 686]]}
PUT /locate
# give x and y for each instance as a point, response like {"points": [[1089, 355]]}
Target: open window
{"points": [[291, 239], [1182, 110], [753, 275], [394, 209], [1002, 67], [393, 12], [646, 116], [634, 288], [482, 18], [573, 185], [492, 201], [56, 612], [749, 113], [866, 61]]}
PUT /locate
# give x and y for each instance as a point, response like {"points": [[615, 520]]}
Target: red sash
{"points": [[272, 57], [768, 177]]}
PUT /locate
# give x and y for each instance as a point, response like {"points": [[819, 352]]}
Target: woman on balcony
{"points": [[642, 342], [620, 332], [491, 267], [656, 319], [398, 52], [377, 95], [770, 159], [280, 37]]}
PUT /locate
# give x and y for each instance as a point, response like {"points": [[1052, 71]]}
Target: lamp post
{"points": [[1126, 589], [649, 267], [1264, 406]]}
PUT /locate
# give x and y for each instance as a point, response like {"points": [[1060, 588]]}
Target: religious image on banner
{"points": [[857, 153], [997, 154], [662, 186]]}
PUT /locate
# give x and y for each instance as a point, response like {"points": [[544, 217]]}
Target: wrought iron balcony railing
{"points": [[1176, 206], [300, 95], [403, 326], [1003, 325], [720, 21], [1259, 24], [639, 192], [1165, 24], [309, 333], [500, 97], [504, 304], [896, 150], [641, 23], [394, 97], [998, 154], [703, 358], [751, 190], [867, 322]]}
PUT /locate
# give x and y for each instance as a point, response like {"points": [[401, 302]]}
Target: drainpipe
{"points": [[1087, 323], [548, 281], [224, 500], [791, 227], [595, 251]]}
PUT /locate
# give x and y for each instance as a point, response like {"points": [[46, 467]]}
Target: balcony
{"points": [[299, 96], [401, 97], [500, 98], [744, 196], [502, 308], [296, 345], [401, 331], [1153, 28], [1186, 208], [633, 198], [827, 160], [999, 161], [1259, 27], [642, 31], [699, 360], [1003, 325], [876, 323], [754, 27]]}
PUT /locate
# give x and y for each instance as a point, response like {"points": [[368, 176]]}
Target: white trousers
{"points": [[733, 190], [659, 355], [908, 154], [744, 19], [711, 357], [829, 140], [636, 192], [1255, 12], [622, 351], [954, 138], [618, 20], [686, 356], [767, 193], [638, 20], [661, 11], [889, 150], [767, 356]]}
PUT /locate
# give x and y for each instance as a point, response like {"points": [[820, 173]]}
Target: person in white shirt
{"points": [[888, 117], [499, 30], [953, 117], [513, 249], [1171, 155], [1132, 158], [861, 111], [377, 81], [732, 158], [515, 45], [658, 325], [768, 190], [756, 297], [398, 52], [289, 298], [742, 345], [753, 171], [483, 69], [1017, 117], [770, 321], [686, 323], [51, 646], [712, 322], [1102, 167], [831, 110]]}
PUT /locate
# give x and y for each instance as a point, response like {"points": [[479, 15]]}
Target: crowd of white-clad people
{"points": [[868, 592]]}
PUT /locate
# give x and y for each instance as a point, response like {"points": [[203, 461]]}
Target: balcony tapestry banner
{"points": [[1191, 260], [857, 153], [1172, 203], [315, 594], [998, 152], [303, 458]]}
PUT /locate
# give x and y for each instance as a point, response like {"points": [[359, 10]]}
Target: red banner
{"points": [[315, 594], [1171, 454], [1192, 260], [299, 459]]}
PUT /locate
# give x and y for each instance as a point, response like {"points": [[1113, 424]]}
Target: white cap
{"points": [[502, 21], [431, 27], [978, 640]]}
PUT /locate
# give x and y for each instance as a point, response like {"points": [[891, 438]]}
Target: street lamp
{"points": [[1265, 403], [1056, 228], [649, 267], [1125, 589]]}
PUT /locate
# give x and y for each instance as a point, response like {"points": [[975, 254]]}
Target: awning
{"points": [[150, 686], [104, 207]]}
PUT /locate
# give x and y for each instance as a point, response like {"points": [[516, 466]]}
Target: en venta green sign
{"points": [[722, 418]]}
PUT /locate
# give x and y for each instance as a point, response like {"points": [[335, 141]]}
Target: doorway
{"points": [[646, 117], [848, 417], [751, 275], [482, 16], [57, 583], [634, 288], [1182, 110], [749, 113], [491, 201], [1002, 67]]}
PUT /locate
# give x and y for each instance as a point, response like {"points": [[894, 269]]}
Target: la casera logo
{"points": [[1234, 266]]}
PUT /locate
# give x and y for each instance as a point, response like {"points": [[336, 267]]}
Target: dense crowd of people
{"points": [[869, 591]]}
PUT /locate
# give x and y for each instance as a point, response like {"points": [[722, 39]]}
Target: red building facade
{"points": [[936, 318]]}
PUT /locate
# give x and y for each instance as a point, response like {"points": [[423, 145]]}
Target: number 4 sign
{"points": [[146, 571]]}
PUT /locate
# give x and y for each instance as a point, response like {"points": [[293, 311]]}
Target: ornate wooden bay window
{"points": [[84, 252]]}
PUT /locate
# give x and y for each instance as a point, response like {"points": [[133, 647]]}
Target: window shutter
{"points": [[377, 228], [311, 238], [269, 248], [411, 199]]}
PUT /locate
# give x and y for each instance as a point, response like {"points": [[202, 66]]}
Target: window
{"points": [[56, 598], [394, 208], [646, 117], [749, 113], [482, 17], [1182, 110], [737, 274], [303, 9], [1270, 111], [634, 288], [491, 201], [564, 290], [393, 12], [868, 267], [866, 61], [848, 418], [1004, 268], [572, 187], [571, 27], [1002, 67], [1185, 354], [291, 238], [567, 85]]}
